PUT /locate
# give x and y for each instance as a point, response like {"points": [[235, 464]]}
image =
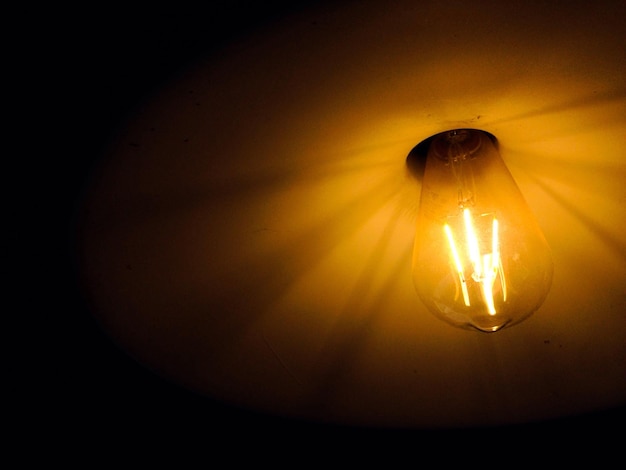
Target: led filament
{"points": [[485, 269], [480, 260]]}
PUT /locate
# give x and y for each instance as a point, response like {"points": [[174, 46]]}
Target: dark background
{"points": [[83, 74]]}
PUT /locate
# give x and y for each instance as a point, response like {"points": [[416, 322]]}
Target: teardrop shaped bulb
{"points": [[480, 260]]}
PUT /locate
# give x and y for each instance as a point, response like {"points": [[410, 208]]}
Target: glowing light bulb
{"points": [[480, 260]]}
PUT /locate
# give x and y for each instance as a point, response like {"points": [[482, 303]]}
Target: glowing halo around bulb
{"points": [[480, 260]]}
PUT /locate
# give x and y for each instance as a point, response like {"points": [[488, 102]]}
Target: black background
{"points": [[79, 77]]}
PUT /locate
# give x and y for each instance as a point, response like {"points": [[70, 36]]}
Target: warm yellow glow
{"points": [[486, 268], [457, 263], [472, 244], [487, 285], [492, 249], [497, 261]]}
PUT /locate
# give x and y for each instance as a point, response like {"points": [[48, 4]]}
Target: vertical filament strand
{"points": [[486, 268], [472, 244], [457, 263]]}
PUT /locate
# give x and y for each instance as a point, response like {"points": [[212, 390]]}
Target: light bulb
{"points": [[480, 260]]}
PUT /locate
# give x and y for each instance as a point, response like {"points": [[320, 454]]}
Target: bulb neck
{"points": [[457, 145], [456, 149]]}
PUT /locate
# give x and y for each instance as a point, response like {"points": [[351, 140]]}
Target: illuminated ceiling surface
{"points": [[249, 233]]}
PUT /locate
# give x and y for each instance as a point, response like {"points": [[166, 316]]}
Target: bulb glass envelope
{"points": [[480, 260]]}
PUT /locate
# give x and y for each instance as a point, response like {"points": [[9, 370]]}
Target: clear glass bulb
{"points": [[480, 260]]}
